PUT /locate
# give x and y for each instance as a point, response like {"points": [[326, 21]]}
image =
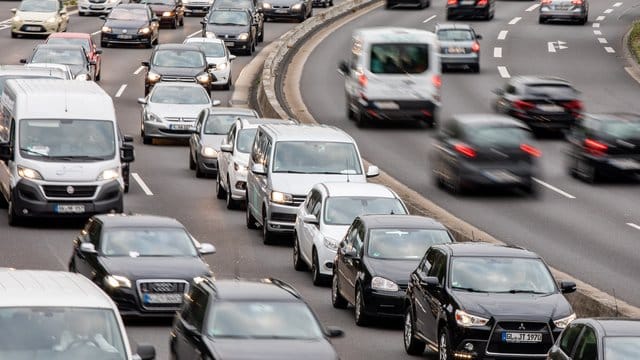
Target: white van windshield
{"points": [[399, 58], [73, 140], [315, 157], [60, 333]]}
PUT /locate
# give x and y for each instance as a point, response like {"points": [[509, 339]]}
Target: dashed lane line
{"points": [[532, 7], [96, 33], [429, 19], [121, 90], [597, 32], [504, 73], [609, 49], [635, 226], [515, 20], [553, 188], [142, 184], [194, 34], [618, 4], [596, 25], [608, 11], [602, 40], [138, 70], [503, 34], [497, 52], [600, 18]]}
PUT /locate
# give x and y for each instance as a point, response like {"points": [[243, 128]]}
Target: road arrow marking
{"points": [[553, 46]]}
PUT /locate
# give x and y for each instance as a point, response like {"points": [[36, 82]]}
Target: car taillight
{"points": [[436, 80], [574, 105], [576, 2], [595, 147], [452, 2], [531, 150], [524, 105], [482, 2], [362, 80], [475, 47], [546, 2], [465, 150]]}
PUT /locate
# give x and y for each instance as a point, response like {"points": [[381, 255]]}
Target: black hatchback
{"points": [[484, 301], [130, 24], [236, 27]]}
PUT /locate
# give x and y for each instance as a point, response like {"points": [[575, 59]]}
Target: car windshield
{"points": [[128, 14], [143, 241], [4, 78], [245, 140], [57, 333], [404, 244], [39, 5], [622, 129], [497, 135], [501, 275], [554, 91], [179, 58], [316, 157], [233, 4], [89, 140], [399, 58], [184, 95], [219, 124], [211, 49], [262, 320], [455, 35], [621, 347], [229, 18], [60, 56], [71, 41], [341, 210]]}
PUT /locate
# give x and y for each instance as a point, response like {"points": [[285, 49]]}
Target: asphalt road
{"points": [[581, 229]]}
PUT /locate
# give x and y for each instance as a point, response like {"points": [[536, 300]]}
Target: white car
{"points": [[217, 54], [102, 7], [326, 214], [39, 17]]}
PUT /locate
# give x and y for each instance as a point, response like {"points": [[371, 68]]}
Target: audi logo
{"points": [[163, 287]]}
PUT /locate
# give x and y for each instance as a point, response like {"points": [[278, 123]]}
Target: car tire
{"points": [[82, 13], [12, 216], [388, 5], [149, 44], [542, 20], [182, 21], [337, 300], [227, 86], [588, 172], [444, 345], [350, 113], [449, 16], [475, 68], [199, 172], [530, 187], [261, 36], [298, 263], [412, 345], [318, 278], [192, 162], [175, 23], [221, 193], [267, 236], [456, 186], [99, 75], [360, 317], [14, 35], [583, 21], [249, 219], [147, 140], [231, 204]]}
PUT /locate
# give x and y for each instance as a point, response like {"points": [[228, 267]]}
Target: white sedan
{"points": [[217, 54]]}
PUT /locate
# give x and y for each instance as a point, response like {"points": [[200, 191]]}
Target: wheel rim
{"points": [[442, 349], [358, 305], [407, 330]]}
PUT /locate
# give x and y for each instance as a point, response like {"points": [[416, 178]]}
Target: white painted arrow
{"points": [[553, 46], [561, 45]]}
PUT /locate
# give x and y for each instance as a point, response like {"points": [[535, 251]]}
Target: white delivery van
{"points": [[60, 149], [392, 74]]}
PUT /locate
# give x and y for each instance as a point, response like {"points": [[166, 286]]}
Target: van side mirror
{"points": [[343, 67], [126, 153], [373, 171], [142, 101], [127, 138], [203, 22], [216, 102], [258, 169], [146, 352], [228, 148], [231, 57], [351, 254], [567, 287], [14, 11], [144, 63], [6, 152]]}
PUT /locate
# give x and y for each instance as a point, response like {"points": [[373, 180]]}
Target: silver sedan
{"points": [[217, 55], [565, 10]]}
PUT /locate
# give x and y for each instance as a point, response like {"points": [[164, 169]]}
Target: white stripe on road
{"points": [[596, 25], [140, 182], [121, 90], [532, 7], [553, 188], [194, 34], [551, 47], [602, 40], [618, 4], [497, 52], [515, 20], [429, 18], [504, 73], [138, 70], [503, 34], [608, 11], [600, 18], [637, 227], [609, 49], [96, 33], [597, 32]]}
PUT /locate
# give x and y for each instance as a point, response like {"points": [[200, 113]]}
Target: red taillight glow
{"points": [[546, 2], [465, 150], [437, 81], [524, 105], [576, 2], [475, 47], [574, 105], [531, 150], [452, 2], [482, 2], [595, 147], [362, 80]]}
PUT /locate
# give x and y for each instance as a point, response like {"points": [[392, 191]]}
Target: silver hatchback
{"points": [[564, 10], [459, 46]]}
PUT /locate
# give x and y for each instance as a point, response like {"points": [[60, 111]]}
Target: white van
{"points": [[60, 149], [392, 74], [60, 315]]}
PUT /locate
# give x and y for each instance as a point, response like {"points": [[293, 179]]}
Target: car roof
{"points": [[617, 116], [253, 123], [70, 35], [268, 289], [483, 249], [351, 189], [395, 34], [38, 288], [137, 220], [536, 79], [25, 70], [178, 46], [307, 132], [446, 26], [232, 111], [400, 221], [487, 119], [618, 326]]}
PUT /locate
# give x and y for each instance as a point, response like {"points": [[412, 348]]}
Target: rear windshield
{"points": [[622, 129], [487, 136], [552, 90], [455, 35], [399, 58]]}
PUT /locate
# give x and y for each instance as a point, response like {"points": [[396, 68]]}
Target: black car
{"points": [[170, 12], [251, 5], [144, 263], [287, 9], [605, 145], [420, 4], [130, 24], [598, 339], [483, 9], [236, 27], [374, 260], [241, 319], [126, 166], [484, 301], [178, 62], [73, 56], [323, 3], [484, 150], [543, 103]]}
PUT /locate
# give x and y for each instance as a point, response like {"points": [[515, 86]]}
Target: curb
{"points": [[632, 68]]}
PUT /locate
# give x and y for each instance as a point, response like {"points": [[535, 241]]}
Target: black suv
{"points": [[250, 5], [236, 27], [481, 300], [178, 62]]}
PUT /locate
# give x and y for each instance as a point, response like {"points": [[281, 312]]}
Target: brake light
{"points": [[531, 150], [362, 80], [482, 2], [465, 150], [576, 2], [524, 105], [452, 2], [475, 47], [437, 81], [574, 105], [546, 2], [595, 147]]}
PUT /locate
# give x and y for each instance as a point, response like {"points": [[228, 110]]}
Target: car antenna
{"points": [[615, 302], [66, 102]]}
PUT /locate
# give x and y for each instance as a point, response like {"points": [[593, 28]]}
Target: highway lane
{"points": [[580, 229]]}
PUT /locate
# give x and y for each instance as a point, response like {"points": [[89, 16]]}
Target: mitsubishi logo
{"points": [[70, 190], [522, 327]]}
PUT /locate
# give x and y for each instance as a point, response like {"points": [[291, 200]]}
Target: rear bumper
{"points": [[618, 165], [578, 14], [448, 59], [283, 13], [398, 109], [467, 11], [508, 175]]}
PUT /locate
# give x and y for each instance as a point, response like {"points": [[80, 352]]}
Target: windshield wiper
{"points": [[34, 152], [523, 291], [215, 23], [77, 157], [469, 289], [230, 336]]}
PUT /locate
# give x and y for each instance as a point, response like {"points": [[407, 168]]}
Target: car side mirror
{"points": [[203, 22], [142, 101], [498, 91], [98, 51], [14, 11], [334, 332], [310, 219], [430, 282], [146, 352], [373, 171], [127, 138], [228, 148], [232, 57], [478, 37], [343, 67], [103, 17], [88, 248], [126, 153], [6, 153], [567, 287], [258, 169], [206, 249], [216, 102], [23, 61], [144, 63]]}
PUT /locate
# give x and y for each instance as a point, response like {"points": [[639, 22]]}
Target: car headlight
{"points": [[281, 198], [144, 31], [562, 323], [51, 20], [153, 77], [222, 66], [83, 77], [17, 18], [153, 118], [266, 6], [296, 7], [109, 174], [243, 36], [117, 281], [209, 34], [380, 283], [203, 78], [27, 173], [167, 13], [239, 168], [209, 152], [330, 244], [106, 29], [465, 319]]}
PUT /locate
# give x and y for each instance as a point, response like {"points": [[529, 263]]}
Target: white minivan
{"points": [[392, 74], [60, 149]]}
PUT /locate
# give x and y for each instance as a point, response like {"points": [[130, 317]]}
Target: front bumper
{"points": [[164, 130], [281, 218], [208, 165], [399, 109], [33, 28], [282, 13], [238, 184], [110, 38], [95, 8], [222, 76], [388, 304], [130, 305], [496, 175]]}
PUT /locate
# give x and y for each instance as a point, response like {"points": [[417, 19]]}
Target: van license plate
{"points": [[387, 105], [65, 209], [521, 337], [163, 298], [229, 43]]}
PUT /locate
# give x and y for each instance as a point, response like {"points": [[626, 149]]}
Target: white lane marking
{"points": [[532, 7], [503, 34], [121, 90], [600, 18], [429, 18], [618, 4], [596, 25], [194, 34], [597, 32], [96, 33], [138, 70], [635, 226], [497, 52], [608, 11], [504, 73], [140, 182], [551, 47], [553, 188], [609, 49], [515, 20], [602, 40]]}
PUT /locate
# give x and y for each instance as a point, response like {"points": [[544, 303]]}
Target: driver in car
{"points": [[83, 332]]}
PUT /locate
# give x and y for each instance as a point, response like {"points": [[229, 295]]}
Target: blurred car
{"points": [[130, 24], [170, 110], [541, 102], [421, 4], [323, 3], [39, 17], [53, 69], [145, 263], [375, 259], [489, 150], [212, 127], [195, 7], [326, 214], [86, 41], [243, 319], [253, 6], [459, 46], [170, 12], [217, 55], [564, 10], [236, 27], [90, 7], [605, 146], [479, 300], [598, 339], [178, 63], [484, 9], [287, 9], [73, 56], [8, 72]]}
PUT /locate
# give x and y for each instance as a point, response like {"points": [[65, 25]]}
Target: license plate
{"points": [[32, 28], [521, 337], [180, 127], [562, 7], [626, 164], [65, 209], [501, 176], [162, 298], [281, 11], [229, 43], [387, 105], [467, 2], [550, 108], [94, 7], [125, 36], [455, 50]]}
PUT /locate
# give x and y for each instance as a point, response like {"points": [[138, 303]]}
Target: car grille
{"points": [[180, 119], [275, 216], [161, 287], [97, 1], [280, 6], [32, 28], [298, 199], [69, 191], [497, 346], [226, 36], [178, 78]]}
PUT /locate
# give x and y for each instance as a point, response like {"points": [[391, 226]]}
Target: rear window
{"points": [[622, 129], [399, 58], [552, 90], [487, 136], [455, 35]]}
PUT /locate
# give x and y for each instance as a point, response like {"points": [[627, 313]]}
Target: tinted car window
{"points": [[180, 95], [627, 347], [455, 35], [403, 244], [140, 242], [316, 157], [219, 124], [552, 90], [179, 58], [487, 136], [622, 129], [342, 210], [587, 347], [71, 41], [569, 338], [438, 266], [399, 58], [229, 18], [245, 139]]}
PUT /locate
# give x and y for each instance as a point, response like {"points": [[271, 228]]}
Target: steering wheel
{"points": [[77, 342]]}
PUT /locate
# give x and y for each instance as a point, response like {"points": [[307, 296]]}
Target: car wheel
{"points": [[261, 36], [231, 204], [350, 113], [72, 265], [99, 75], [444, 348], [174, 24], [82, 13], [412, 345], [267, 236], [182, 21], [318, 278], [387, 5], [588, 172], [192, 163], [456, 185], [475, 68], [221, 193], [14, 35], [337, 300], [227, 86], [298, 263], [249, 219], [199, 172], [362, 119], [361, 318], [541, 20], [12, 216], [583, 21]]}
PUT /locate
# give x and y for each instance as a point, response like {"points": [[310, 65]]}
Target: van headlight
{"points": [[380, 283], [203, 78], [51, 20], [281, 198], [82, 77], [222, 66], [153, 77], [465, 319], [117, 281], [109, 174], [27, 173], [296, 7], [144, 30], [209, 152], [562, 323], [243, 36], [106, 29]]}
